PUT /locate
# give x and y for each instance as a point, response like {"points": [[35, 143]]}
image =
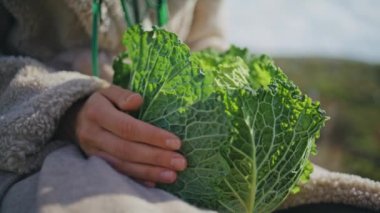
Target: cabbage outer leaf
{"points": [[247, 130]]}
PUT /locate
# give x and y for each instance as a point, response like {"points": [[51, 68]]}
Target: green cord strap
{"points": [[162, 19], [96, 7], [162, 12], [126, 13], [136, 10]]}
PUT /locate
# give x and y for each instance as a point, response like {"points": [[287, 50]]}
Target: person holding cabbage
{"points": [[69, 141]]}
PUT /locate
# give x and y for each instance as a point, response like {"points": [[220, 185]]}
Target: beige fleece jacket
{"points": [[57, 32], [34, 95]]}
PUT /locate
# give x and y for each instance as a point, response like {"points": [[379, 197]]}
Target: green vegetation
{"points": [[350, 93], [247, 130]]}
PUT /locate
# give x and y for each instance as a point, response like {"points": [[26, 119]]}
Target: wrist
{"points": [[67, 123]]}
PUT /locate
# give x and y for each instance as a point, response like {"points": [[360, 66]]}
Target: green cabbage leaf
{"points": [[247, 130]]}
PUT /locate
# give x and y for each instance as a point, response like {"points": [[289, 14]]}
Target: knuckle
{"points": [[91, 112], [161, 159], [124, 151], [152, 174], [159, 137], [128, 128], [95, 96]]}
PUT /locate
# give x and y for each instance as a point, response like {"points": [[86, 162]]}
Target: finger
{"points": [[139, 152], [106, 157], [123, 99], [115, 163], [148, 184], [147, 172], [129, 128]]}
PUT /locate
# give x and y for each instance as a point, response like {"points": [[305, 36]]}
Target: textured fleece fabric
{"points": [[33, 99], [55, 31], [333, 187], [67, 182]]}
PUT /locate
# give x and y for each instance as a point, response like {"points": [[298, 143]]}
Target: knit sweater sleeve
{"points": [[33, 98]]}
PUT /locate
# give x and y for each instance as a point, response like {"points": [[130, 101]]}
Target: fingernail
{"points": [[173, 143], [127, 100], [178, 163], [167, 176]]}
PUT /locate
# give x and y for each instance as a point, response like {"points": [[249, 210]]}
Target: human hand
{"points": [[131, 146]]}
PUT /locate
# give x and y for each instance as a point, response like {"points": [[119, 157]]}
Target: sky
{"points": [[328, 28]]}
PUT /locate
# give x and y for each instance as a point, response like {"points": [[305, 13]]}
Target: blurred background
{"points": [[331, 49]]}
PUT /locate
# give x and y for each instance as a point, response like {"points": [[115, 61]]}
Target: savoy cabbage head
{"points": [[247, 130]]}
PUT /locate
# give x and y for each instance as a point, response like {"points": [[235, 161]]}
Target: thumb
{"points": [[133, 102], [123, 99]]}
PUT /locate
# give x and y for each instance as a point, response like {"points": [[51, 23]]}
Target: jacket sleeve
{"points": [[207, 29], [33, 98], [327, 187]]}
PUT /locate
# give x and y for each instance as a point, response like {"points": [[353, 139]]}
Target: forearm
{"points": [[66, 126]]}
